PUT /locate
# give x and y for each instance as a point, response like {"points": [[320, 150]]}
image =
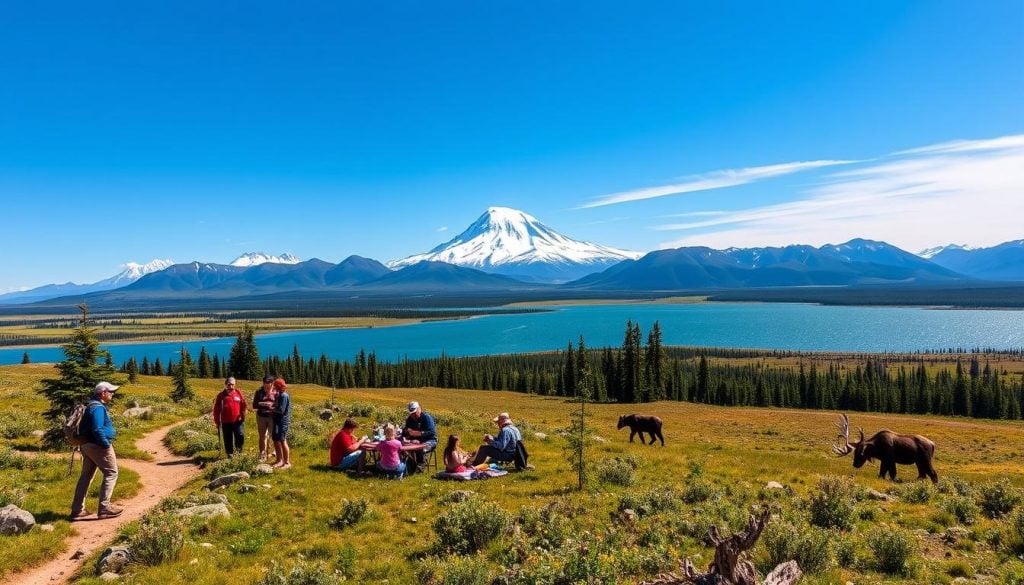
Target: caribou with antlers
{"points": [[889, 448]]}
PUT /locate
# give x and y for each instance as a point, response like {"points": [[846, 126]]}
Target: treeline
{"points": [[642, 370]]}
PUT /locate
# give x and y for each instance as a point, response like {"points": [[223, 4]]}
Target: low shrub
{"points": [[808, 546], [159, 539], [16, 424], [248, 541], [961, 508], [918, 492], [1015, 528], [352, 512], [846, 553], [955, 485], [893, 550], [11, 459], [239, 462], [998, 498], [454, 570], [345, 563], [959, 568], [300, 573], [470, 526], [652, 501], [833, 505], [617, 471], [173, 503], [10, 494]]}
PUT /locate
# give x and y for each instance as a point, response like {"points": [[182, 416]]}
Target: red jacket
{"points": [[229, 407]]}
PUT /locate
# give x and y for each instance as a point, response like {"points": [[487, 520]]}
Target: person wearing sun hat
{"points": [[502, 447], [97, 453]]}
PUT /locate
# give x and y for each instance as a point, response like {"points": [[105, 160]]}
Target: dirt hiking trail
{"points": [[159, 478]]}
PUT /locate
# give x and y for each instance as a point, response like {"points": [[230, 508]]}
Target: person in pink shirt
{"points": [[390, 463]]}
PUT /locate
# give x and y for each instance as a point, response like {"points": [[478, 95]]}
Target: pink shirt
{"points": [[389, 453]]}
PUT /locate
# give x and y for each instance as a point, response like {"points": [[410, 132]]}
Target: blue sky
{"points": [[204, 130]]}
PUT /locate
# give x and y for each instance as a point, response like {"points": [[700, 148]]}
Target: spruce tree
{"points": [[578, 436], [80, 371], [181, 390], [132, 369], [158, 368], [205, 366], [654, 364], [146, 368], [25, 359], [244, 359]]}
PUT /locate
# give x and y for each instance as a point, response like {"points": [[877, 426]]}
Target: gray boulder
{"points": [[113, 560], [38, 434], [326, 414], [774, 485], [139, 412], [263, 469], [246, 488], [879, 496], [107, 577], [14, 520], [208, 511], [227, 480]]}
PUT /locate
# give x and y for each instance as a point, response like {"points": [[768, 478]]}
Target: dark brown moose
{"points": [[889, 448], [642, 423]]}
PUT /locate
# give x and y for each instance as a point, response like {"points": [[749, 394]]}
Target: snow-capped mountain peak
{"points": [[508, 241], [134, 271], [257, 258], [929, 253]]}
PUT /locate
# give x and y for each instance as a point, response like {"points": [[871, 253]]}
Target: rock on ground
{"points": [[113, 560], [263, 469], [138, 412], [14, 520], [207, 511], [227, 480]]}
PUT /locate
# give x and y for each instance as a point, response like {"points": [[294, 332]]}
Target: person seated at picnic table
{"points": [[419, 427], [346, 450], [455, 458], [390, 463], [503, 447]]}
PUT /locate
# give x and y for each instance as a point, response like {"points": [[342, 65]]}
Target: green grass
{"points": [[712, 472]]}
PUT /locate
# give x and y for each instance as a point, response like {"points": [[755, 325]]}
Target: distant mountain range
{"points": [[857, 262], [513, 243], [506, 250], [1004, 262], [132, 272]]}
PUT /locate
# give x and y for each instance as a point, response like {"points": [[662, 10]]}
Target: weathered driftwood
{"points": [[728, 568]]}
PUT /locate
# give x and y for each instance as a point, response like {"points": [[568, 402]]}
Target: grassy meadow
{"points": [[314, 525]]}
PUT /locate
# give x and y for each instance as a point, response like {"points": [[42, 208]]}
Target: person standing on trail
{"points": [[282, 419], [97, 453], [263, 402], [229, 416]]}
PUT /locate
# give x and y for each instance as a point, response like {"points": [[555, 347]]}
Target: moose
{"points": [[641, 423], [889, 448]]}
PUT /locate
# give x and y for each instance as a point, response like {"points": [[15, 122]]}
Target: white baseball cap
{"points": [[105, 387]]}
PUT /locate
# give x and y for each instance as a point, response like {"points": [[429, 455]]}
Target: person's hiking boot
{"points": [[79, 515], [111, 511]]}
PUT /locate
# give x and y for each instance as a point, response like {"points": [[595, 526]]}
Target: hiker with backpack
{"points": [[507, 447], [96, 431]]}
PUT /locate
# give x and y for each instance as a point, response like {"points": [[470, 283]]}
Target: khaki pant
{"points": [[96, 457], [263, 424]]}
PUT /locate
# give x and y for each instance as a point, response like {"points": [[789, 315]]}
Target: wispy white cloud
{"points": [[713, 180], [964, 191], [443, 228]]}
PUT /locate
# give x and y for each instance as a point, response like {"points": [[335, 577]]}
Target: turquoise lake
{"points": [[754, 325]]}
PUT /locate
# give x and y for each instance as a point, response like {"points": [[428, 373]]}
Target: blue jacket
{"points": [[506, 439], [424, 424], [96, 424]]}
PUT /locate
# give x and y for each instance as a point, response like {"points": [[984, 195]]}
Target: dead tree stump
{"points": [[728, 567]]}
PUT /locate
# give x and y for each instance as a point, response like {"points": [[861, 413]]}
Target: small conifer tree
{"points": [[25, 359], [79, 373], [578, 437], [181, 389]]}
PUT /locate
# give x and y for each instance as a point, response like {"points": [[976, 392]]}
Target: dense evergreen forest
{"points": [[956, 382]]}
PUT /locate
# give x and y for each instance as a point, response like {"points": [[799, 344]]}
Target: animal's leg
{"points": [[652, 437], [632, 434], [892, 471], [660, 436]]}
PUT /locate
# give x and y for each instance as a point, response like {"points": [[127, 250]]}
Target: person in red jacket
{"points": [[229, 416]]}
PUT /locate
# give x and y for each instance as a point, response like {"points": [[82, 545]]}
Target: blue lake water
{"points": [[754, 325]]}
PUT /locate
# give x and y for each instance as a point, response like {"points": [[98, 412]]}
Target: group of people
{"points": [[349, 453], [273, 407]]}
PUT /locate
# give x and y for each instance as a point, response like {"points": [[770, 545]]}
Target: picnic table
{"points": [[409, 448]]}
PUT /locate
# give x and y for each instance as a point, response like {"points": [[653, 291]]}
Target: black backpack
{"points": [[521, 457]]}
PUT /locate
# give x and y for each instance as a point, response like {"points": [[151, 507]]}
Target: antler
{"points": [[844, 431]]}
